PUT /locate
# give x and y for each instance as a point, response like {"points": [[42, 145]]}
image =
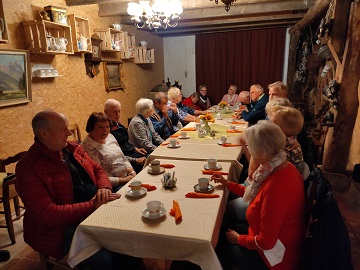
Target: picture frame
{"points": [[15, 77], [113, 76]]}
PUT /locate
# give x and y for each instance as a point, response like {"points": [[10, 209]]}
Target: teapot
{"points": [[143, 43], [84, 42], [61, 42], [2, 27]]}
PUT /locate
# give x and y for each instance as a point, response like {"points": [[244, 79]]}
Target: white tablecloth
{"points": [[120, 227]]}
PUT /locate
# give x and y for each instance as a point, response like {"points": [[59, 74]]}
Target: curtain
{"points": [[242, 58]]}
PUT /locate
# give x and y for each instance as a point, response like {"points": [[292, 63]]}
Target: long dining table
{"points": [[122, 227]]}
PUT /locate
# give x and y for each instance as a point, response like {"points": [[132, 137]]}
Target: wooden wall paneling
{"points": [[337, 145]]}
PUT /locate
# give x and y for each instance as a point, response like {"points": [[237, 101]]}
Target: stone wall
{"points": [[74, 94]]}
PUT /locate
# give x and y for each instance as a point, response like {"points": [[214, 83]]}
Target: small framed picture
{"points": [[15, 74], [113, 76]]}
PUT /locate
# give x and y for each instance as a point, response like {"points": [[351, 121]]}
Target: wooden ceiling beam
{"points": [[213, 10]]}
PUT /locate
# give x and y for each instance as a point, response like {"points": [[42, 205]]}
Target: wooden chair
{"points": [[8, 193], [75, 130]]}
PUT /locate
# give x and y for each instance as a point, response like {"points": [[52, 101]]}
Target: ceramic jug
{"points": [[117, 26], [61, 42], [143, 43], [84, 42], [2, 27]]}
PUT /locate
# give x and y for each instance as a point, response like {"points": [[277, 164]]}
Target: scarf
{"points": [[203, 98], [146, 123], [261, 174]]}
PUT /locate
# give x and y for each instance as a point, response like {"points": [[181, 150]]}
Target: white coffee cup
{"points": [[183, 134], [155, 165], [135, 186], [154, 207], [48, 72], [232, 127], [54, 72], [41, 73], [212, 163], [223, 139], [173, 142], [203, 183], [218, 115]]}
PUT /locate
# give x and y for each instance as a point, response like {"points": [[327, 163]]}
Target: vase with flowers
{"points": [[206, 118], [222, 106]]}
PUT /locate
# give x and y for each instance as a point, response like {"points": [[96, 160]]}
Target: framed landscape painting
{"points": [[113, 76], [15, 77]]}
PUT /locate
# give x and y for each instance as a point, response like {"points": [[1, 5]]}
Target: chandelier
{"points": [[161, 14], [226, 2]]}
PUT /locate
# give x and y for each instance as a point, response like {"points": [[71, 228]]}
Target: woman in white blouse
{"points": [[103, 148]]}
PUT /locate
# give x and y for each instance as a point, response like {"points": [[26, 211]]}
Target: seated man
{"points": [[277, 90], [164, 119], [259, 100], [136, 156], [60, 186], [192, 101]]}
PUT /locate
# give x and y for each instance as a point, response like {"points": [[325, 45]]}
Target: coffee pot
{"points": [[84, 42]]}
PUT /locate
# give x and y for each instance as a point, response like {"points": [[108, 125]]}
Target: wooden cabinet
{"points": [[80, 30], [128, 46], [4, 38], [48, 37]]}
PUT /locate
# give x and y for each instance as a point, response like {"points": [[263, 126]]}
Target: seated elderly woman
{"points": [[185, 113], [141, 131], [103, 148], [276, 207]]}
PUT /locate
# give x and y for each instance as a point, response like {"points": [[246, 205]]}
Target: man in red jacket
{"points": [[60, 186]]}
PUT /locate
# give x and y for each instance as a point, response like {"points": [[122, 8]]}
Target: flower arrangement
{"points": [[222, 104], [207, 118]]}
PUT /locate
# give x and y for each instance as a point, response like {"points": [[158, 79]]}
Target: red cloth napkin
{"points": [[167, 166], [238, 123], [189, 129], [234, 131], [211, 172], [230, 145], [174, 135], [166, 143], [148, 187], [201, 195], [176, 212]]}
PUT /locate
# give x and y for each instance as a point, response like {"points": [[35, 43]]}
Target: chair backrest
{"points": [[10, 160], [75, 130]]}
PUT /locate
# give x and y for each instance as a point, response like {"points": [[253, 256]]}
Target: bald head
{"points": [[112, 109], [51, 128], [244, 97]]}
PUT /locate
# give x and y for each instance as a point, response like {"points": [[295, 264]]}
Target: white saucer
{"points": [[146, 213], [230, 121], [162, 170], [220, 143], [187, 137], [131, 193], [176, 146], [209, 189], [218, 167]]}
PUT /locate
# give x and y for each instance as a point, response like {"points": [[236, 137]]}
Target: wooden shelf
{"points": [[111, 37], [36, 33], [5, 37], [79, 27], [129, 46], [144, 55]]}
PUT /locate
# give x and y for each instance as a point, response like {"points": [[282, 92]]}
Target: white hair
{"points": [[265, 139], [110, 103], [143, 105]]}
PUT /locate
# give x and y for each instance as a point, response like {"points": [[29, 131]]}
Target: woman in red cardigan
{"points": [[276, 207]]}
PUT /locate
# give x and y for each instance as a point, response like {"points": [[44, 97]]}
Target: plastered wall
{"points": [[74, 94]]}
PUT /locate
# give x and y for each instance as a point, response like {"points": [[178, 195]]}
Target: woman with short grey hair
{"points": [[141, 131], [275, 195]]}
